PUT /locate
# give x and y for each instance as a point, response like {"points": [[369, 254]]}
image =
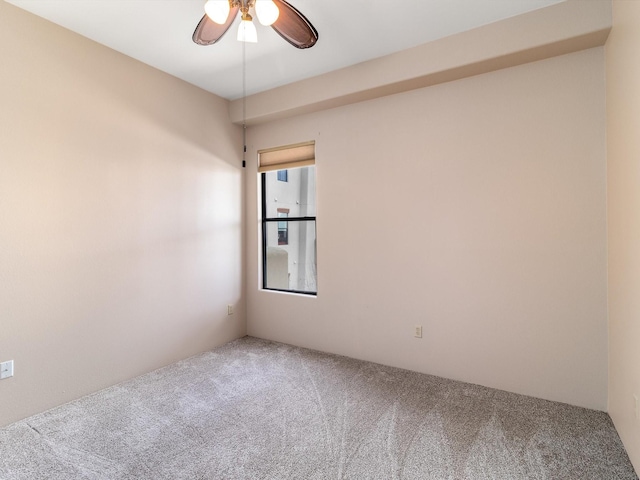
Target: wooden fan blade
{"points": [[294, 27], [209, 32]]}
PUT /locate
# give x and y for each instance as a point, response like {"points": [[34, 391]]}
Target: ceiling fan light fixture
{"points": [[217, 10], [247, 30], [267, 12], [290, 24]]}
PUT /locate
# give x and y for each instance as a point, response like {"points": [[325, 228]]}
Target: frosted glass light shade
{"points": [[247, 32], [217, 10], [267, 12]]}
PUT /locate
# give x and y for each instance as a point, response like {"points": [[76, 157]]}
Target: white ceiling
{"points": [[158, 33]]}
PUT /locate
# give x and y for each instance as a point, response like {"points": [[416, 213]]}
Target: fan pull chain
{"points": [[244, 104]]}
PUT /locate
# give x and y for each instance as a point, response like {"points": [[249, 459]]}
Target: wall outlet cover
{"points": [[6, 369]]}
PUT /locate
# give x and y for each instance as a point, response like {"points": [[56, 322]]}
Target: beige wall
{"points": [[475, 208], [623, 199], [120, 217]]}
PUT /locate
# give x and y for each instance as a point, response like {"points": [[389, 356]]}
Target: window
{"points": [[283, 227], [282, 176], [289, 246]]}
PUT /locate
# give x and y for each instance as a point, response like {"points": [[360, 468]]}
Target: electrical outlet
{"points": [[418, 331], [637, 405], [229, 309], [6, 369]]}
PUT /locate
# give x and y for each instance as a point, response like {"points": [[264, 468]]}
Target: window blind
{"points": [[290, 156]]}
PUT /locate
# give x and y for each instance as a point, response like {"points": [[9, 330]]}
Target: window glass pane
{"points": [[292, 266], [297, 193]]}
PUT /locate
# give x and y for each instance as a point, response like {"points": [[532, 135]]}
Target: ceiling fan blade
{"points": [[294, 27], [209, 32]]}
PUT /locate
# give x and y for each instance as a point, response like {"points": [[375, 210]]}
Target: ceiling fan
{"points": [[285, 19]]}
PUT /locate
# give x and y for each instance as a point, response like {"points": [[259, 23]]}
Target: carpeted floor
{"points": [[254, 409]]}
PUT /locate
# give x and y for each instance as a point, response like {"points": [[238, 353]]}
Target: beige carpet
{"points": [[254, 409]]}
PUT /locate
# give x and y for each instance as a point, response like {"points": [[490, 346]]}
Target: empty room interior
{"points": [[475, 225]]}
